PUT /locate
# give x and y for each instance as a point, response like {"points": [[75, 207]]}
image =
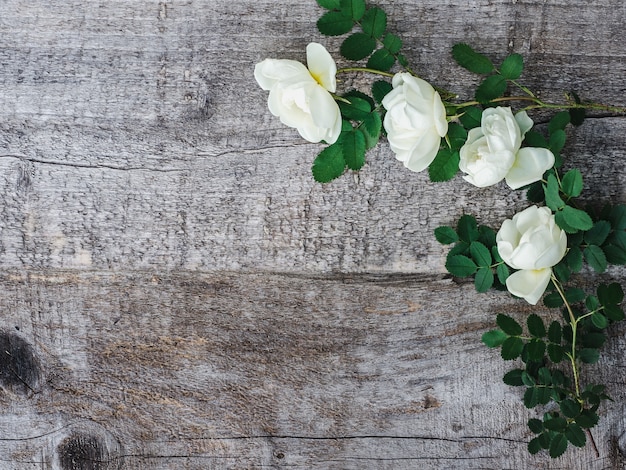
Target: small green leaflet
{"points": [[333, 23], [374, 22], [460, 266], [491, 88], [353, 146], [471, 60], [512, 67], [382, 60], [380, 88], [353, 8], [392, 43], [357, 46], [444, 166], [329, 4], [329, 164]]}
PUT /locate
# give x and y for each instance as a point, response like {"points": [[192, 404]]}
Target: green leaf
{"points": [[512, 67], [487, 236], [371, 127], [574, 295], [471, 60], [403, 61], [445, 165], [535, 350], [467, 228], [374, 22], [545, 377], [460, 266], [589, 355], [535, 139], [551, 190], [557, 141], [617, 217], [614, 313], [558, 445], [353, 8], [380, 88], [535, 193], [593, 339], [614, 254], [595, 257], [599, 320], [553, 300], [556, 353], [555, 332], [329, 164], [577, 115], [457, 135], [576, 435], [555, 424], [484, 279], [471, 117], [611, 294], [329, 4], [574, 219], [534, 446], [570, 408], [574, 259], [559, 121], [513, 378], [587, 419], [508, 325], [480, 254], [491, 88], [512, 348], [572, 182], [357, 109], [357, 46], [381, 60], [531, 397], [503, 273], [392, 43], [535, 425], [494, 338], [536, 326], [446, 235], [353, 146], [333, 23]]}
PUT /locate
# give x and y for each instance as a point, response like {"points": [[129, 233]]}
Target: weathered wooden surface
{"points": [[176, 291]]}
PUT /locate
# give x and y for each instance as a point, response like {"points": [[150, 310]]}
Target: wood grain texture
{"points": [[176, 291]]}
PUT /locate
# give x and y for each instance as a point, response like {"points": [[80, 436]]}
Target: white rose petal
{"points": [[532, 243], [492, 152], [529, 284], [415, 121], [300, 97], [529, 166]]}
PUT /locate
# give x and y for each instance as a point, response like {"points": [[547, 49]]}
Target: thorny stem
{"points": [[574, 323], [530, 97]]}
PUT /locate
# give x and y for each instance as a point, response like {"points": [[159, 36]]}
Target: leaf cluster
{"points": [[371, 40], [361, 129], [540, 350], [474, 253], [496, 79]]}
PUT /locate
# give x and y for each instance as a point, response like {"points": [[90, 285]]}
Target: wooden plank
{"points": [[176, 291], [234, 370]]}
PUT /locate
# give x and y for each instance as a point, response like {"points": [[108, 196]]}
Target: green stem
{"points": [[537, 103], [574, 324], [365, 70]]}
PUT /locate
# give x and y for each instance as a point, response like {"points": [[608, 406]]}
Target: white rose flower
{"points": [[300, 97], [492, 151], [532, 243], [415, 121]]}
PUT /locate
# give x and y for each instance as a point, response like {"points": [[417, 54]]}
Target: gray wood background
{"points": [[177, 293]]}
